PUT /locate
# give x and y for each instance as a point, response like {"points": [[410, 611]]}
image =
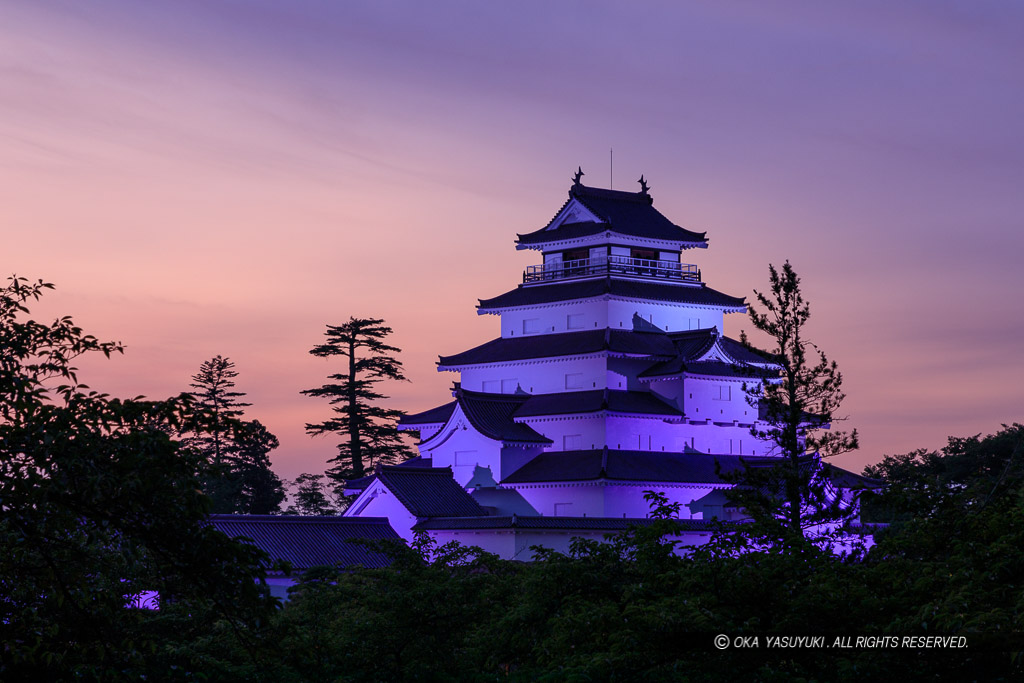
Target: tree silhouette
{"points": [[237, 475], [310, 496], [214, 384], [369, 427], [796, 410], [99, 504], [258, 490]]}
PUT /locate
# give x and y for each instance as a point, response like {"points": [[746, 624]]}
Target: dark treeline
{"points": [[102, 504], [952, 562]]}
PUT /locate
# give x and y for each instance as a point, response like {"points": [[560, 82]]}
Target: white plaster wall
{"points": [[666, 316], [586, 500], [599, 314], [516, 544], [641, 434], [719, 400], [540, 377], [463, 451], [378, 501], [718, 439], [500, 542], [555, 318], [627, 499], [563, 430], [622, 373]]}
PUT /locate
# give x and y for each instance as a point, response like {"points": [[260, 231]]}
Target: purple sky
{"points": [[203, 178]]}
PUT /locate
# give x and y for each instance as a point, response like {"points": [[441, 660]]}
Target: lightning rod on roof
{"points": [[611, 168]]}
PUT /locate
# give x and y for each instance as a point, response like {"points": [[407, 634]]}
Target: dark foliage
{"points": [[310, 496], [99, 506]]}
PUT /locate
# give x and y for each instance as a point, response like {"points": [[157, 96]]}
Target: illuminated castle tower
{"points": [[611, 377]]}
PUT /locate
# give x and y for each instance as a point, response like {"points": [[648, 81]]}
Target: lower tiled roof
{"points": [[552, 523], [491, 415], [506, 349], [436, 415], [528, 295], [306, 542], [429, 492], [626, 465], [577, 402], [362, 482]]}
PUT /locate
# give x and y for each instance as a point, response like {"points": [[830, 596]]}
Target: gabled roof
{"points": [[529, 295], [562, 344], [306, 542], [691, 344], [625, 213], [694, 355], [429, 492], [576, 402], [491, 415], [438, 415], [744, 354], [625, 465], [552, 523]]}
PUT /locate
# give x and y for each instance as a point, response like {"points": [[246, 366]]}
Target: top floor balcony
{"points": [[626, 266]]}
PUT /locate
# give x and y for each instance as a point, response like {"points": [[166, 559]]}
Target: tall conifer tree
{"points": [[796, 411], [238, 477], [369, 431], [214, 393]]}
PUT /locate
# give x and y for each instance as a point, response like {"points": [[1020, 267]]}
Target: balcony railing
{"points": [[612, 265]]}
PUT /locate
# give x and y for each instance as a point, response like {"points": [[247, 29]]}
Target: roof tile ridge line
{"points": [[588, 207]]}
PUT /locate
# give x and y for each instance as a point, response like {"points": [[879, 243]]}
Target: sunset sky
{"points": [[213, 177]]}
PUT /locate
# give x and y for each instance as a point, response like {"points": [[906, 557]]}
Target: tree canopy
{"points": [[100, 505]]}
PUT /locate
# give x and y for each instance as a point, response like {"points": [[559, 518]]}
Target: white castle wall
{"points": [[516, 544], [616, 314], [463, 451], [608, 499], [377, 501], [538, 377], [570, 316]]}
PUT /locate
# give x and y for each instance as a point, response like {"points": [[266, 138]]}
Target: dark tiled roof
{"points": [[436, 415], [694, 343], [306, 542], [720, 369], [552, 523], [626, 213], [622, 465], [362, 482], [491, 415], [563, 344], [528, 295], [429, 492], [745, 354], [844, 479], [575, 402]]}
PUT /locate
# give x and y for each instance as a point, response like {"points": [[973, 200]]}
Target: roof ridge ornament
{"points": [[643, 186], [577, 176]]}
